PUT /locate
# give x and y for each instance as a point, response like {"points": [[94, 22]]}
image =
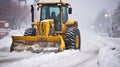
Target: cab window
{"points": [[64, 14]]}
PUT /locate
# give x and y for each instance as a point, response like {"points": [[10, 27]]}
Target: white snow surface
{"points": [[95, 51], [109, 56], [6, 41]]}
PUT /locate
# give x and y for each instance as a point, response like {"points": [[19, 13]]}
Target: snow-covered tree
{"points": [[102, 24], [116, 22], [15, 14]]}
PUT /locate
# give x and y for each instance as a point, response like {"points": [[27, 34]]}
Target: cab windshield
{"points": [[50, 12], [53, 12]]}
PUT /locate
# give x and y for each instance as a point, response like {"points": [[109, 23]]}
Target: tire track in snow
{"points": [[88, 60], [84, 62], [10, 60], [15, 56]]}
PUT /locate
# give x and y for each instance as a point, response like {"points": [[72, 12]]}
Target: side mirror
{"points": [[70, 10]]}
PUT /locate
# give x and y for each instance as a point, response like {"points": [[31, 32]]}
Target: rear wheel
{"points": [[72, 40]]}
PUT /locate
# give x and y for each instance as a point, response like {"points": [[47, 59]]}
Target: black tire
{"points": [[70, 40], [30, 32]]}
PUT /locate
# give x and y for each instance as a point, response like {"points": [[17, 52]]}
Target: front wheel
{"points": [[73, 40]]}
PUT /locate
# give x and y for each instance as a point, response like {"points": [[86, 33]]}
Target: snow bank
{"points": [[16, 33], [6, 41], [90, 41], [109, 57]]}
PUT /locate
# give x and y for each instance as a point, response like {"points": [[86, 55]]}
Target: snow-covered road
{"points": [[87, 57], [96, 51], [68, 58], [91, 54]]}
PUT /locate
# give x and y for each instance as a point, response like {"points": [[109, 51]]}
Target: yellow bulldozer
{"points": [[53, 32]]}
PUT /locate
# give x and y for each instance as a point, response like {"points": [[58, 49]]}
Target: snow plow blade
{"points": [[37, 43]]}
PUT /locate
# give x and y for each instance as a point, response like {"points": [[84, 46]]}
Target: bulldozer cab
{"points": [[56, 11]]}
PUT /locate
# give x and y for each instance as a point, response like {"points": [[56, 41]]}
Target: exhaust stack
{"points": [[32, 13]]}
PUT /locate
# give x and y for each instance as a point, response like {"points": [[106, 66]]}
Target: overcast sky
{"points": [[87, 10], [90, 8]]}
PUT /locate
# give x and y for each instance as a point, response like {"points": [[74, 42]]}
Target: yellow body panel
{"points": [[71, 22], [42, 38], [37, 38], [77, 41], [53, 3]]}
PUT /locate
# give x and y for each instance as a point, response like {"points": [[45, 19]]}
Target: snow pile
{"points": [[16, 33], [109, 57], [6, 41], [91, 42]]}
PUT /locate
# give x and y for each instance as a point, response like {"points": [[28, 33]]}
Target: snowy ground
{"points": [[96, 51], [109, 56]]}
